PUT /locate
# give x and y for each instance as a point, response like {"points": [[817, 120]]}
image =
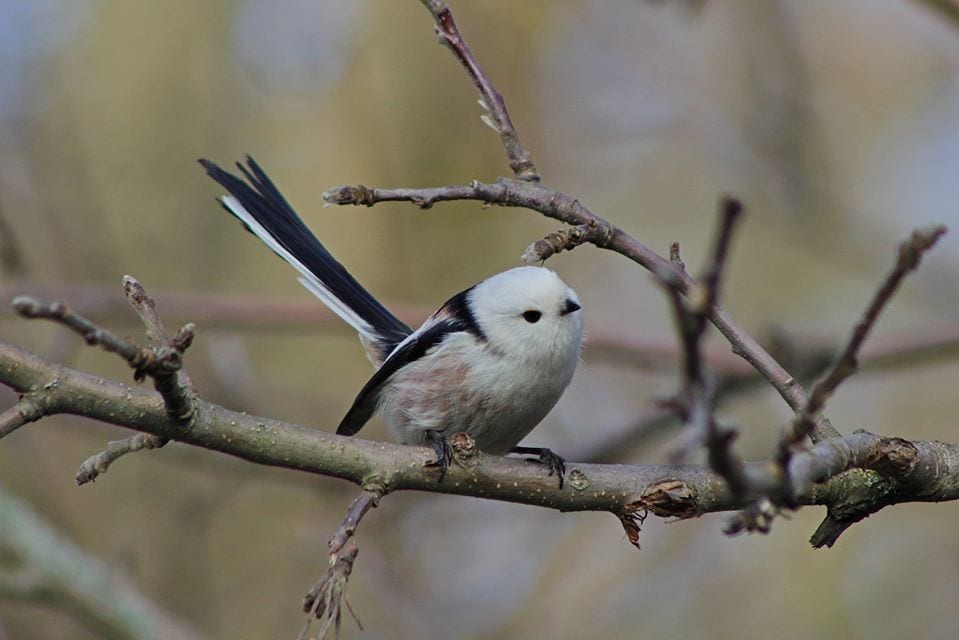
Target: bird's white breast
{"points": [[464, 385]]}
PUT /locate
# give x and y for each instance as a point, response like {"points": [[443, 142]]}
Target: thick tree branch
{"points": [[665, 490]]}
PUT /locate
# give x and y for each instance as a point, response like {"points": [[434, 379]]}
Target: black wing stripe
{"points": [[267, 205], [459, 308], [365, 404]]}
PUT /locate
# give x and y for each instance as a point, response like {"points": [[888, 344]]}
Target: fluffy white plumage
{"points": [[499, 385], [491, 362]]}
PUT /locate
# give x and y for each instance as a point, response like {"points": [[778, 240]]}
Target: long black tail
{"points": [[263, 210]]}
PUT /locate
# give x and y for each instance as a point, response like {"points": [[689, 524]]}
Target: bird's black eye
{"points": [[532, 316]]}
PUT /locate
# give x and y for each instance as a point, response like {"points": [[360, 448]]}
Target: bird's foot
{"points": [[555, 462], [441, 447]]}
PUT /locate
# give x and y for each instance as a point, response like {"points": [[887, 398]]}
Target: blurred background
{"points": [[834, 122]]}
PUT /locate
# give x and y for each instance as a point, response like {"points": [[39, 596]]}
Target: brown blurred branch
{"points": [[802, 353], [11, 256]]}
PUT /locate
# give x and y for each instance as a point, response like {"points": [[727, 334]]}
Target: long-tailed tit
{"points": [[491, 362]]}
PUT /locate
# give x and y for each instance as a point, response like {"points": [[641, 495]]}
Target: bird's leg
{"points": [[555, 462], [443, 450]]}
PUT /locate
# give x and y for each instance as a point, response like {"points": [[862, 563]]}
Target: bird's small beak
{"points": [[569, 306]]}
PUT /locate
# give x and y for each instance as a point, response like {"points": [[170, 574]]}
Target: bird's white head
{"points": [[530, 314]]}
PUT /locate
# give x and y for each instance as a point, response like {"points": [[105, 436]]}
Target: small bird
{"points": [[491, 362]]}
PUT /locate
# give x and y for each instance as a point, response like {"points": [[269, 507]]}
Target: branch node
{"points": [[578, 480], [669, 498], [675, 257], [464, 450], [595, 232], [98, 464], [351, 194]]}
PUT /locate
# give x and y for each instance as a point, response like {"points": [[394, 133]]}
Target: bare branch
{"points": [[98, 464], [93, 334], [890, 467], [162, 364], [695, 402], [16, 416], [145, 307], [379, 466], [520, 160], [909, 256], [326, 597], [565, 240]]}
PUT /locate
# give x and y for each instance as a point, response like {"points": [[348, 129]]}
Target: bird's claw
{"points": [[553, 461], [444, 452]]}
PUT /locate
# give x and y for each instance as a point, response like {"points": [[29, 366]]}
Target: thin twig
{"points": [[177, 389], [520, 160], [909, 256], [11, 420], [145, 307], [327, 596], [93, 334], [98, 464], [695, 402], [566, 240], [161, 363]]}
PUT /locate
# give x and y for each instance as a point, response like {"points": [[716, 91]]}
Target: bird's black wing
{"points": [[417, 346]]}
